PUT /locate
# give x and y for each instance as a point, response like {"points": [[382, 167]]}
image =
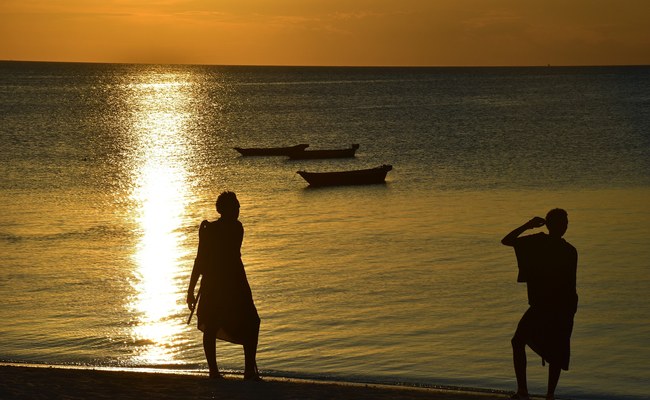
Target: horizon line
{"points": [[328, 65]]}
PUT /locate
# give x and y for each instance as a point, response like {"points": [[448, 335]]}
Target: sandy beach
{"points": [[36, 382]]}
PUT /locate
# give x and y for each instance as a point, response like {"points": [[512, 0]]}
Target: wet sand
{"points": [[30, 382]]}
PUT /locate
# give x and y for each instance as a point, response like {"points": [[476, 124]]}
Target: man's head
{"points": [[557, 221]]}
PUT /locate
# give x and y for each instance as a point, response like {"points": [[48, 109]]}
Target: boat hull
{"points": [[322, 154], [271, 151], [339, 178]]}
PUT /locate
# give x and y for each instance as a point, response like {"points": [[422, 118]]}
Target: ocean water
{"points": [[107, 171]]}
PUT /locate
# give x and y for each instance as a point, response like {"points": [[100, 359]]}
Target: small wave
{"points": [[9, 238], [100, 232], [143, 342]]}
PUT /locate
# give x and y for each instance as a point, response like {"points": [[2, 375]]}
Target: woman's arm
{"points": [[511, 238], [196, 269], [239, 237], [191, 300]]}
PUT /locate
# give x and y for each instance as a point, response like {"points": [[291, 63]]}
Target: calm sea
{"points": [[107, 171]]}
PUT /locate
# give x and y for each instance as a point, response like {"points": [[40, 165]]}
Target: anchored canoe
{"points": [[354, 177], [270, 151], [303, 154]]}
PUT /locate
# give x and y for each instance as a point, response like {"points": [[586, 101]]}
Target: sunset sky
{"points": [[328, 32]]}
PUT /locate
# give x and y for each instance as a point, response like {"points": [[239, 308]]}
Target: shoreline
{"points": [[41, 381]]}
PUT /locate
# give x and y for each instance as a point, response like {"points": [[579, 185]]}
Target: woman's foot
{"points": [[519, 396], [215, 375], [252, 375]]}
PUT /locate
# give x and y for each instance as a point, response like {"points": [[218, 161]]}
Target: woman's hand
{"points": [[191, 300]]}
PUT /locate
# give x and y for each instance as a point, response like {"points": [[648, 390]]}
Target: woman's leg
{"points": [[210, 349], [250, 355]]}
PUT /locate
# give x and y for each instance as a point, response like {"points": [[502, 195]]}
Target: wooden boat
{"points": [[317, 154], [354, 177], [270, 151]]}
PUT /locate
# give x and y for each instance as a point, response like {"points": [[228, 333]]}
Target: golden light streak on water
{"points": [[160, 193]]}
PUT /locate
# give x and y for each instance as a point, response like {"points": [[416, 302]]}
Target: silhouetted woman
{"points": [[226, 310]]}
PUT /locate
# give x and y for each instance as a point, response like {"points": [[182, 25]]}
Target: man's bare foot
{"points": [[252, 377]]}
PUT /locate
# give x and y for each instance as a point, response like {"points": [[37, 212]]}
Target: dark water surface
{"points": [[107, 171]]}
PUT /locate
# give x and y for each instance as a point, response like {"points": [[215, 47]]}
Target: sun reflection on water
{"points": [[160, 193]]}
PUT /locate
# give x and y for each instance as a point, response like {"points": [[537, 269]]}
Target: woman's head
{"points": [[557, 222], [228, 205]]}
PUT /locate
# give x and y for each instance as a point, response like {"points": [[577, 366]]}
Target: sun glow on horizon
{"points": [[328, 32]]}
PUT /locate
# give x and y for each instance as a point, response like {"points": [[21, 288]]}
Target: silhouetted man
{"points": [[548, 264]]}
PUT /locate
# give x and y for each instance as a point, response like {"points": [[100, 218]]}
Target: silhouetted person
{"points": [[548, 264], [226, 310]]}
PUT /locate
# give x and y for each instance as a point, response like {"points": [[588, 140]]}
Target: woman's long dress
{"points": [[226, 304]]}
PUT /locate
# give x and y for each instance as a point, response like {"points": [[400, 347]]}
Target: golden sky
{"points": [[328, 32]]}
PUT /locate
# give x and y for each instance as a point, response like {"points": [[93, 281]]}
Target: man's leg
{"points": [[519, 361], [553, 377]]}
